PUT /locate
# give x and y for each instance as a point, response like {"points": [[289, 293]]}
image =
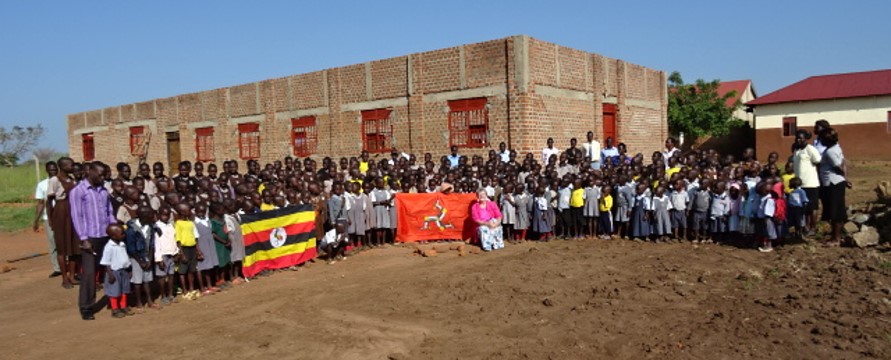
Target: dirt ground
{"points": [[580, 299], [560, 300]]}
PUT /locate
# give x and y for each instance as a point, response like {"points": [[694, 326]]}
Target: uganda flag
{"points": [[278, 238]]}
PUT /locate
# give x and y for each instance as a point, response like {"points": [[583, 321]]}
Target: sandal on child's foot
{"points": [[128, 311], [118, 314]]}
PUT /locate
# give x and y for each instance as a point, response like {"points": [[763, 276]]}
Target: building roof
{"points": [[727, 86], [835, 86]]}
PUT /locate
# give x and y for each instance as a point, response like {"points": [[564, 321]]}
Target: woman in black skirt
{"points": [[833, 183]]}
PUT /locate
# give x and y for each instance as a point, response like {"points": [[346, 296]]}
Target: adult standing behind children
{"points": [[40, 194], [833, 180], [60, 219], [91, 214], [805, 159], [593, 150]]}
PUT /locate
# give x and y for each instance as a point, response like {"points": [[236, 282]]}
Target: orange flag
{"points": [[434, 216]]}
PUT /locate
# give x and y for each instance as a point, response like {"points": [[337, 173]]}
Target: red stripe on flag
{"points": [[279, 262], [293, 229]]}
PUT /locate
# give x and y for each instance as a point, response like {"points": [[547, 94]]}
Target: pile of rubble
{"points": [[871, 224]]}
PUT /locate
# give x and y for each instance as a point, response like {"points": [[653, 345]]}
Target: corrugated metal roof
{"points": [[835, 86]]}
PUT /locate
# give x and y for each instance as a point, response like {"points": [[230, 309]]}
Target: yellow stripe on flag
{"points": [[268, 224], [279, 252]]}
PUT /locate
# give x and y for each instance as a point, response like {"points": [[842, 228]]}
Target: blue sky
{"points": [[61, 57]]}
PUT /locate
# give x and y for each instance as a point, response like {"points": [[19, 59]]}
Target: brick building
{"points": [[518, 90]]}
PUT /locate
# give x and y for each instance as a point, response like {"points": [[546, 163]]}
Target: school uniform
{"points": [[337, 209], [660, 206], [576, 206], [719, 209], [605, 204], [508, 210], [165, 249], [733, 218], [233, 224], [140, 242], [206, 245], [381, 211], [540, 211], [115, 257], [797, 201], [765, 226], [699, 206], [187, 236], [640, 225], [678, 212], [592, 198], [392, 210], [224, 253], [523, 209], [624, 200], [356, 214]]}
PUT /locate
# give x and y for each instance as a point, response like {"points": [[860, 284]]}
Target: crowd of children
{"points": [[183, 231]]}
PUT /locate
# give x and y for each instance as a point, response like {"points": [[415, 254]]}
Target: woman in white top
{"points": [[805, 159]]}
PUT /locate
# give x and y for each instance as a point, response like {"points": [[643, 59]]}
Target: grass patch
{"points": [[886, 264], [13, 218], [17, 184]]}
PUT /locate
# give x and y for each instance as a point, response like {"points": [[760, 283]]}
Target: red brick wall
{"points": [[337, 96]]}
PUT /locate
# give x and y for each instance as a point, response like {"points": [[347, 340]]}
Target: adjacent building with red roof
{"points": [[745, 92], [858, 105]]}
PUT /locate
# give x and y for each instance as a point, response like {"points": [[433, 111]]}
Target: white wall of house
{"points": [[740, 113], [873, 109]]}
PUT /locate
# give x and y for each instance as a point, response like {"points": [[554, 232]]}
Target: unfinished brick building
{"points": [[518, 90]]}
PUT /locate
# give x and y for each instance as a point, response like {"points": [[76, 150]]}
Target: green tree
{"points": [[698, 110], [17, 141]]}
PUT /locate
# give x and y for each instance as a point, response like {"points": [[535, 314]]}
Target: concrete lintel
{"points": [[150, 123], [610, 100], [648, 104], [493, 90], [376, 104], [171, 128], [93, 129], [563, 93], [202, 124], [521, 63], [247, 119], [287, 115]]}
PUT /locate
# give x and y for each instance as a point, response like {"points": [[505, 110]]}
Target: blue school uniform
{"points": [[640, 225]]}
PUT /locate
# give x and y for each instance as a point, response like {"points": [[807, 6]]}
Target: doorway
{"points": [[609, 123], [173, 152]]}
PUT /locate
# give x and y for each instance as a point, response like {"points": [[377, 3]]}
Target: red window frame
{"points": [[469, 123], [137, 135], [249, 141], [204, 144], [304, 137], [790, 126], [377, 133], [88, 147]]}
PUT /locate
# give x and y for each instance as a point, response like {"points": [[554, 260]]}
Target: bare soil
{"points": [[576, 299], [579, 299]]}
